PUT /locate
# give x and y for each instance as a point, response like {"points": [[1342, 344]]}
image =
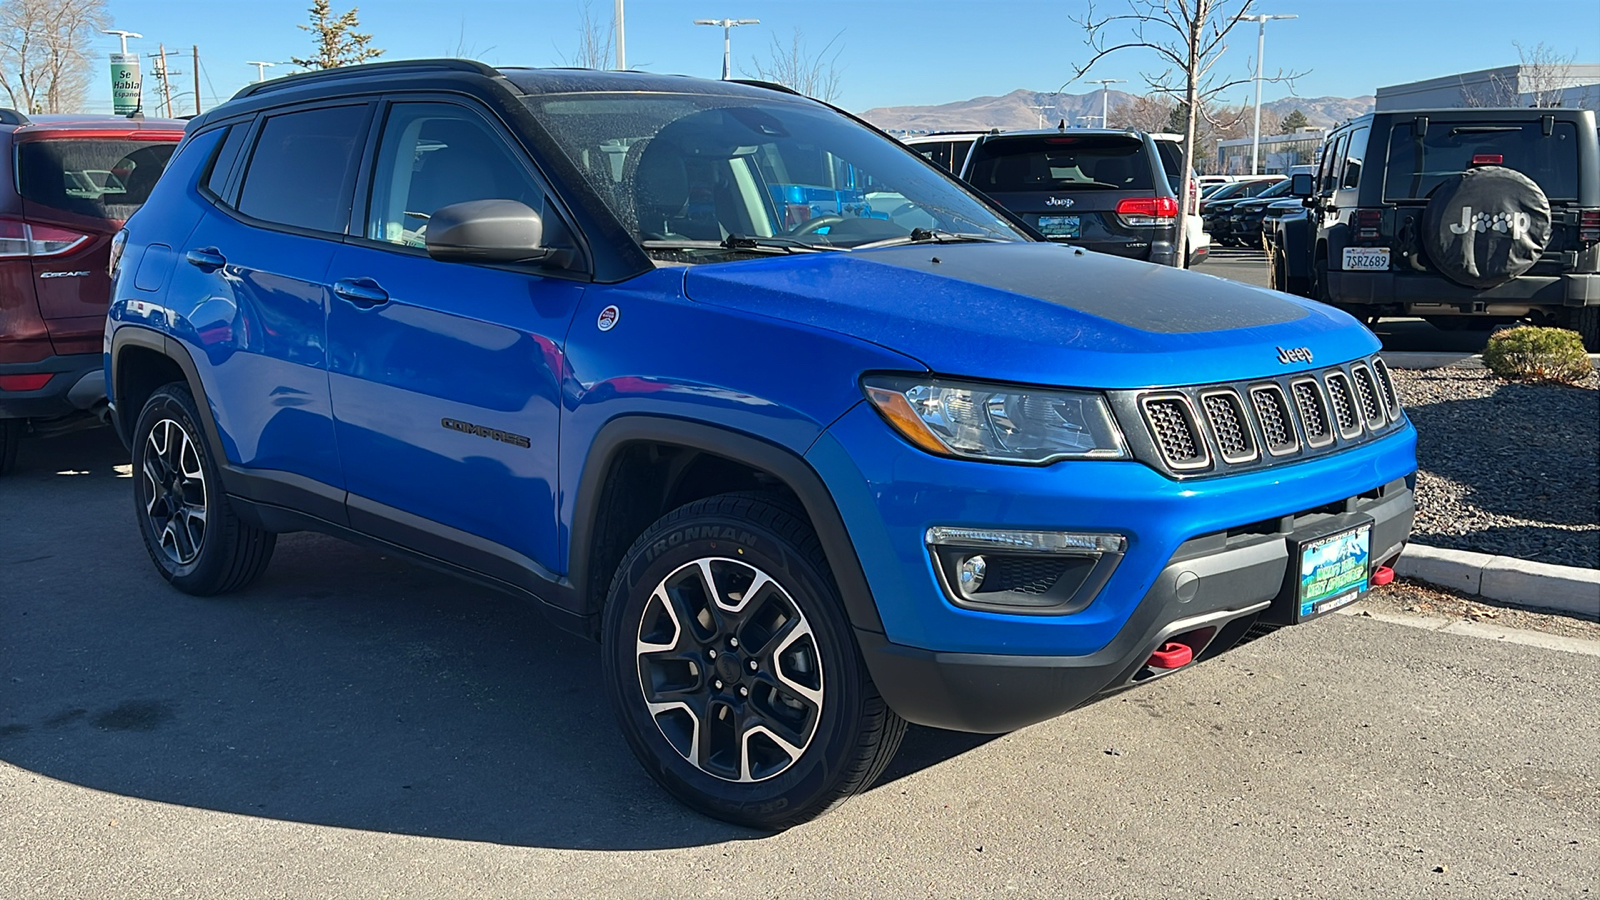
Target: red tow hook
{"points": [[1172, 655], [1382, 576]]}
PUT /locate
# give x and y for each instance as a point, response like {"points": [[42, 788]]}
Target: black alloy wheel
{"points": [[190, 530], [732, 668]]}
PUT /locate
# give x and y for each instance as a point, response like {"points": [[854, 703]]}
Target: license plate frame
{"points": [[1061, 226], [1366, 259], [1331, 570]]}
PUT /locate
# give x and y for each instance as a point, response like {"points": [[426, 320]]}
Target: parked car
{"points": [[1473, 217], [1170, 146], [68, 183], [1224, 220], [945, 149], [1105, 190], [805, 484], [1235, 190]]}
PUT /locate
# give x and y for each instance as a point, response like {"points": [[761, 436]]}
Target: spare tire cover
{"points": [[1486, 226]]}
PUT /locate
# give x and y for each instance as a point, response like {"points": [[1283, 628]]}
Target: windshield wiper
{"points": [[739, 242], [930, 236]]}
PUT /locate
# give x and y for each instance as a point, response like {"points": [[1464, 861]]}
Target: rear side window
{"points": [[106, 179], [1447, 149], [1171, 161], [1061, 162], [301, 169], [222, 162]]}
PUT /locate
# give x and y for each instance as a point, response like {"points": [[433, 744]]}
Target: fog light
{"points": [[972, 569]]}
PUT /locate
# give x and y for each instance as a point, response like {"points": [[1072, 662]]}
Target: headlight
{"points": [[1001, 423]]}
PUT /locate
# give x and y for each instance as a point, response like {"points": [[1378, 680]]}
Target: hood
{"points": [[1039, 313]]}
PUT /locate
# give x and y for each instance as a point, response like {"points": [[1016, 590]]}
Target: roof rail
{"points": [[769, 85], [383, 68], [13, 117]]}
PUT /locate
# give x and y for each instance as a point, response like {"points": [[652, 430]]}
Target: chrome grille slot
{"points": [[1229, 426], [1386, 383], [1177, 434], [1367, 391], [1343, 399], [1313, 409], [1276, 419]]}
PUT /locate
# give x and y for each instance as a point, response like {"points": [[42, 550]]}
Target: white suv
{"points": [[1195, 237]]}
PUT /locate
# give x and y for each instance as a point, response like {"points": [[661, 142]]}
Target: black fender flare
{"points": [[783, 464], [1295, 244], [161, 343]]}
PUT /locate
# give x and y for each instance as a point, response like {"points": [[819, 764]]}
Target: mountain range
{"points": [[1017, 110]]}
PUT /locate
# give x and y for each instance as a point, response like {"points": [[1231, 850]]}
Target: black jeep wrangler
{"points": [[1466, 217]]}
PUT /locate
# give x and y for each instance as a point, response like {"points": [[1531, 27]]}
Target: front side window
{"points": [[696, 177], [106, 179], [435, 154], [301, 169]]}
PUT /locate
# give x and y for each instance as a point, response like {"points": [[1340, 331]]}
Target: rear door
{"points": [[77, 188], [1068, 186]]}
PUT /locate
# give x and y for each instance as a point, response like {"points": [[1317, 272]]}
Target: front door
{"points": [[446, 377]]}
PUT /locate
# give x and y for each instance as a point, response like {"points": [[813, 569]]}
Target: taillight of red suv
{"points": [[19, 238], [1138, 211]]}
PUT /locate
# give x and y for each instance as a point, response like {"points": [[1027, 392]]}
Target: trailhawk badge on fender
{"points": [[608, 318]]}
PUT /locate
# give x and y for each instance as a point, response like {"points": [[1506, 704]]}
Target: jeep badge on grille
{"points": [[1288, 355]]}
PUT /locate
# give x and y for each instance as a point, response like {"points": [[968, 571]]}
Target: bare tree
{"points": [[336, 39], [594, 41], [1190, 38], [1542, 76], [1150, 112], [793, 65], [44, 59]]}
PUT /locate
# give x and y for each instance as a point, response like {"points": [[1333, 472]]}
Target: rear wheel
{"points": [[10, 437], [189, 528], [1586, 322], [732, 670]]}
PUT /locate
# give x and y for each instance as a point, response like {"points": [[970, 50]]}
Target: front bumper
{"points": [[77, 384], [1387, 288], [943, 664]]}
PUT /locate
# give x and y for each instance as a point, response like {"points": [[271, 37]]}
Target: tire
{"points": [[190, 530], [769, 733], [10, 437], [1586, 322]]}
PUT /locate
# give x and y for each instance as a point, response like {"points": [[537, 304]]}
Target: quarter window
{"points": [[300, 171], [222, 162]]}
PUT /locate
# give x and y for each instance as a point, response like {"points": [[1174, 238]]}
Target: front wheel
{"points": [[732, 669], [190, 530]]}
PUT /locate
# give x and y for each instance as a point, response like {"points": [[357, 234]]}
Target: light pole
{"points": [[1040, 110], [622, 54], [261, 69], [1105, 96], [727, 26], [1261, 46], [122, 34]]}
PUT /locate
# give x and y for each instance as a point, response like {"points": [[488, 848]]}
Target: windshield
{"points": [[698, 178], [1060, 162]]}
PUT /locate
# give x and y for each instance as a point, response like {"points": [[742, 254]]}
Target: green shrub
{"points": [[1546, 355]]}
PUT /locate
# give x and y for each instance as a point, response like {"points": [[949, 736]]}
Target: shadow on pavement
{"points": [[343, 689]]}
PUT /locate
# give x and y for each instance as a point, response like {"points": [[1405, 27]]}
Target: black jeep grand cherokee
{"points": [[1465, 217]]}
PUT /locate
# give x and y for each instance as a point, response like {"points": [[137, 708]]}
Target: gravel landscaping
{"points": [[1507, 468]]}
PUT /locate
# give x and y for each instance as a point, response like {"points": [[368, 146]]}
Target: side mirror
{"points": [[487, 231], [1300, 185]]}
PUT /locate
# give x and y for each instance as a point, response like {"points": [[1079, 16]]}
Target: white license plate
{"points": [[1366, 259], [1059, 226]]}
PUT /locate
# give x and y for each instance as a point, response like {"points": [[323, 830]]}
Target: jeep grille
{"points": [[1220, 428]]}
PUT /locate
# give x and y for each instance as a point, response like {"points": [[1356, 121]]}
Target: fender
{"points": [[787, 466], [1295, 241]]}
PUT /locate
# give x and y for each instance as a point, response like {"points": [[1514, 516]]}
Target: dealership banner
{"points": [[125, 83]]}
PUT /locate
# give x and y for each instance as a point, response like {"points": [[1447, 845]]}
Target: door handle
{"points": [[362, 292], [206, 259]]}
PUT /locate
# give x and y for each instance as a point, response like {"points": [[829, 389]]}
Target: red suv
{"points": [[67, 183]]}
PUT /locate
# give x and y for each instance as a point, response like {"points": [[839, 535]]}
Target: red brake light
{"points": [[1367, 224], [1589, 225], [1487, 159], [23, 239], [1147, 208], [25, 382]]}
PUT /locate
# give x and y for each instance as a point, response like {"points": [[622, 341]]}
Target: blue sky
{"points": [[894, 52]]}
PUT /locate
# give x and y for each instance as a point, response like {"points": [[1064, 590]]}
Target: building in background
{"points": [[1278, 152], [1569, 85]]}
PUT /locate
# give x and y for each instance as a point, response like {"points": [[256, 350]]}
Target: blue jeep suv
{"points": [[808, 473]]}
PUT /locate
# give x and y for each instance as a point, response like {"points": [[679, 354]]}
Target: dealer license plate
{"points": [[1366, 259], [1333, 571], [1059, 226]]}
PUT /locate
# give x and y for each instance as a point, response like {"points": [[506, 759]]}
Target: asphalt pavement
{"points": [[354, 726]]}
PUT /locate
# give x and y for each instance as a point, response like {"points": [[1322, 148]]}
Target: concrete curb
{"points": [[1566, 589], [1421, 359]]}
